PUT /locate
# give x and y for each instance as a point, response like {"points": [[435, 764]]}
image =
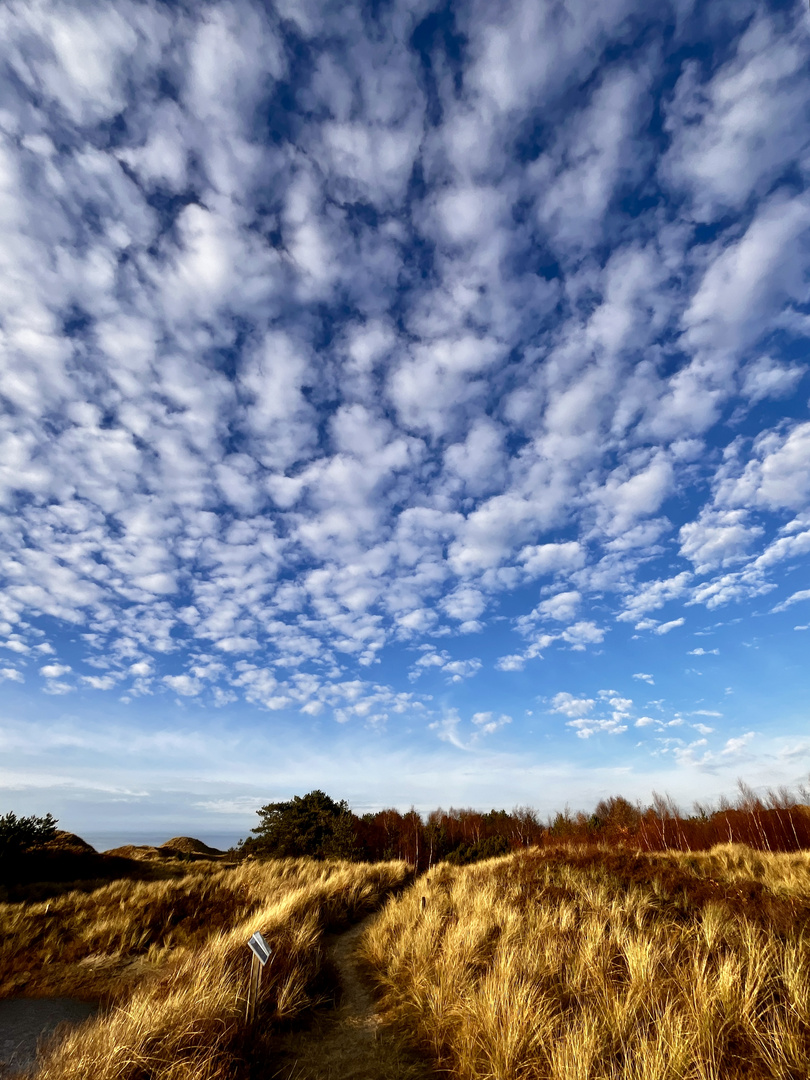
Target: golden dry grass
{"points": [[172, 961], [604, 965]]}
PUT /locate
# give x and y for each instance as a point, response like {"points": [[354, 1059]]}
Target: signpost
{"points": [[261, 954]]}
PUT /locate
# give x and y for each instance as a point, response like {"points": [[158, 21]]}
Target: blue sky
{"points": [[407, 401]]}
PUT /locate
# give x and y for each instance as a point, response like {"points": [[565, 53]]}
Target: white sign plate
{"points": [[260, 948]]}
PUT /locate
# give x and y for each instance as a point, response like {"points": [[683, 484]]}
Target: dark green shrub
{"points": [[21, 834], [488, 848]]}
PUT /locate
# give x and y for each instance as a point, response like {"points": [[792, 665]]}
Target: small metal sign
{"points": [[260, 948], [261, 954]]}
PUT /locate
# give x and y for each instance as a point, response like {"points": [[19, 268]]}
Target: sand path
{"points": [[349, 1043]]}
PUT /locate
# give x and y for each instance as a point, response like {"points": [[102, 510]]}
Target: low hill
{"points": [[68, 841], [189, 846], [136, 851], [184, 847]]}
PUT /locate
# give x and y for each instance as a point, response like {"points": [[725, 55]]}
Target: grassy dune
{"points": [[171, 960], [574, 965]]}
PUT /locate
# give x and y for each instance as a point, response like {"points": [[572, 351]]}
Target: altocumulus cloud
{"points": [[346, 341]]}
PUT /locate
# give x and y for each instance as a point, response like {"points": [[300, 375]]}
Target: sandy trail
{"points": [[349, 1043]]}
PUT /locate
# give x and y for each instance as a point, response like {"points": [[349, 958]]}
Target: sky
{"points": [[407, 401]]}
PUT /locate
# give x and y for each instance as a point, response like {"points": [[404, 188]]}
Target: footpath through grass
{"points": [[349, 1042], [170, 960], [598, 965]]}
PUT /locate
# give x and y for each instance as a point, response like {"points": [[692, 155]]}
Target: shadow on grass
{"points": [[40, 876]]}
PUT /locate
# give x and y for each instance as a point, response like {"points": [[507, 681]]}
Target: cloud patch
{"points": [[327, 346]]}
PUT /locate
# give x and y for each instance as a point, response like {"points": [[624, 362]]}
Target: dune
{"points": [[189, 846], [186, 846], [68, 841]]}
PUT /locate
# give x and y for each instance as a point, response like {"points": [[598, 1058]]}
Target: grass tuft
{"points": [[171, 963], [560, 965]]}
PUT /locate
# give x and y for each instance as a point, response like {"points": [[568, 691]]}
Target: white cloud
{"points": [[464, 604], [733, 133], [240, 804], [784, 547], [583, 633], [100, 682], [625, 498], [447, 728], [653, 595], [16, 645], [585, 728], [597, 152], [238, 644], [429, 658], [562, 607], [569, 705], [730, 587], [542, 559], [11, 674], [685, 755], [184, 685], [457, 670], [538, 644], [461, 669], [488, 723], [703, 652], [717, 539], [794, 598], [776, 475], [665, 628], [438, 380], [645, 678], [704, 729], [57, 688], [735, 745], [54, 671], [82, 67], [766, 377], [514, 662]]}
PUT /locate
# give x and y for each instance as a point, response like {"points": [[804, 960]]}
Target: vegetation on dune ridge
{"points": [[314, 824], [38, 861], [592, 964], [190, 846], [170, 959], [19, 834]]}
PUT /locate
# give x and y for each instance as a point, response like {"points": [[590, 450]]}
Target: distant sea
{"points": [[103, 841]]}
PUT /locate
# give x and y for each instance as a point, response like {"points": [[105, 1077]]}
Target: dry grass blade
{"points": [[603, 965], [182, 1017]]}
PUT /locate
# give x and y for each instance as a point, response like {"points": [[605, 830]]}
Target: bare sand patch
{"points": [[26, 1023]]}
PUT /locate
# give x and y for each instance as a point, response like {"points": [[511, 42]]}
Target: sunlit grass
{"points": [[601, 965], [180, 1014]]}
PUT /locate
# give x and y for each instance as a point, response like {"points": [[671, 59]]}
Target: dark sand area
{"points": [[25, 1022]]}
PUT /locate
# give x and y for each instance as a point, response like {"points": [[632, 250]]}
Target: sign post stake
{"points": [[253, 987], [261, 954]]}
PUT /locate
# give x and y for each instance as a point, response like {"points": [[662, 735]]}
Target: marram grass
{"points": [[603, 966], [172, 962]]}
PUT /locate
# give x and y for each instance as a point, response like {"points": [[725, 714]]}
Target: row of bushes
{"points": [[317, 825]]}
